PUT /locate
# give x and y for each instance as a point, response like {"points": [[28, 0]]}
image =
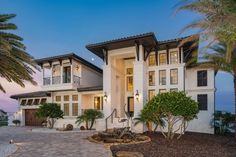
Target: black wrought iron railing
{"points": [[57, 80], [76, 80]]}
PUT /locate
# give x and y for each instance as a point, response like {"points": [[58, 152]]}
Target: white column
{"points": [[61, 73], [140, 85], [79, 104], [51, 75], [71, 74]]}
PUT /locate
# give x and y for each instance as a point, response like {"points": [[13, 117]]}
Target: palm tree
{"points": [[218, 23], [16, 64]]}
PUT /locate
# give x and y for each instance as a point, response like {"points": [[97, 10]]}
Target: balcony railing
{"points": [[57, 80]]}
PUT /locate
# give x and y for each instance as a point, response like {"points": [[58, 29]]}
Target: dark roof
{"points": [[3, 111], [86, 89], [31, 95], [148, 40], [68, 56]]}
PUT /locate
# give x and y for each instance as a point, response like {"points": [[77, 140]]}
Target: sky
{"points": [[62, 26]]}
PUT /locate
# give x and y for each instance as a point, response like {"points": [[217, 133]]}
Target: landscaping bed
{"points": [[190, 145]]}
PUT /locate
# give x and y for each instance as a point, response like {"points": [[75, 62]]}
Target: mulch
{"points": [[190, 145]]}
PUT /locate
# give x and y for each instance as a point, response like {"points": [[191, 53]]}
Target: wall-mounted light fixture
{"points": [[137, 95], [105, 96], [77, 67]]}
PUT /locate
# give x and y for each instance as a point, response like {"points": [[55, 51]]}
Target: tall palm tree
{"points": [[16, 64], [218, 23]]}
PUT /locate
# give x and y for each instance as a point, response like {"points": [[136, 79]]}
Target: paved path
{"points": [[33, 144]]}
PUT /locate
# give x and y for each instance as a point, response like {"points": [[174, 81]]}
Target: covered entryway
{"points": [[31, 119]]}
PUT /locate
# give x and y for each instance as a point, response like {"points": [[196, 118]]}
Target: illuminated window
{"points": [[174, 90], [162, 77], [74, 109], [162, 91], [23, 102], [162, 58], [58, 98], [129, 83], [98, 103], [151, 94], [151, 78], [129, 71], [174, 57], [66, 109], [43, 100], [151, 60], [74, 97], [66, 97], [174, 76], [36, 101]]}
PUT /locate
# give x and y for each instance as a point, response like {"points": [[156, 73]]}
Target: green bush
{"points": [[175, 108], [89, 116]]}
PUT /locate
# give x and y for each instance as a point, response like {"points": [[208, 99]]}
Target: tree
{"points": [[175, 108], [16, 64], [51, 111], [89, 116]]}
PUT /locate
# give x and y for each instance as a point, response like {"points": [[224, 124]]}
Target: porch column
{"points": [[61, 67], [140, 81]]}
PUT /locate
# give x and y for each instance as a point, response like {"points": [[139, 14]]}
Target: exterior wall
{"points": [[90, 78], [202, 123]]}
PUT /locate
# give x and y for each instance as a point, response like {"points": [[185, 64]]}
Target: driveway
{"points": [[32, 144]]}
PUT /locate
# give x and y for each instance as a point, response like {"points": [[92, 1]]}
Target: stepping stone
{"points": [[128, 154]]}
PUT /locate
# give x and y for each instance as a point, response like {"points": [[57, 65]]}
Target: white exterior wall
{"points": [[90, 78], [202, 123]]}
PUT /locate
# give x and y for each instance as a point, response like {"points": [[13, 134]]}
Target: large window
{"points": [[151, 78], [151, 94], [162, 77], [129, 71], [58, 98], [162, 58], [202, 78], [66, 109], [36, 101], [202, 101], [129, 79], [66, 97], [74, 97], [151, 60], [98, 103], [174, 57], [67, 74], [174, 76], [75, 109]]}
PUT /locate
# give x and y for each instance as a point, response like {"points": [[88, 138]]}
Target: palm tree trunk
{"points": [[235, 105]]}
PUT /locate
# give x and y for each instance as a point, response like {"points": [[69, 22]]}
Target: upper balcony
{"points": [[65, 72]]}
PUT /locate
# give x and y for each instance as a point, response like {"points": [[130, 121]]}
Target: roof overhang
{"points": [[31, 95], [90, 89]]}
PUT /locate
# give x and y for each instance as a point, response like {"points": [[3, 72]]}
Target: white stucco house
{"points": [[135, 69]]}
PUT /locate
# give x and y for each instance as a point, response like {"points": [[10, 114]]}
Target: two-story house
{"points": [[135, 69]]}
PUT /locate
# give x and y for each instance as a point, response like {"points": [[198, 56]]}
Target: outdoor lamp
{"points": [[105, 96], [11, 141], [137, 95]]}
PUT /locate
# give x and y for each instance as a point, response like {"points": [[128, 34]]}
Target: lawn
{"points": [[190, 145]]}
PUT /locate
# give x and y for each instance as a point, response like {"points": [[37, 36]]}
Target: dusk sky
{"points": [[61, 26]]}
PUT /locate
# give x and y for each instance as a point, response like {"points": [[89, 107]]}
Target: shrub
{"points": [[16, 122], [175, 108], [51, 111], [89, 116]]}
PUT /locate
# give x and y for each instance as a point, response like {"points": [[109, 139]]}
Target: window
{"points": [[98, 103], [151, 94], [75, 109], [58, 98], [174, 90], [162, 77], [202, 101], [151, 76], [29, 102], [36, 102], [174, 76], [129, 83], [67, 74], [162, 91], [162, 58], [74, 97], [151, 60], [174, 57], [43, 100], [23, 102], [66, 109], [129, 71], [66, 97], [202, 78]]}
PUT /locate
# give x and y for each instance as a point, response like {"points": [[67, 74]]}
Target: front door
{"points": [[131, 106]]}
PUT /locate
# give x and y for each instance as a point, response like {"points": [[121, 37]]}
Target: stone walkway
{"points": [[32, 144]]}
